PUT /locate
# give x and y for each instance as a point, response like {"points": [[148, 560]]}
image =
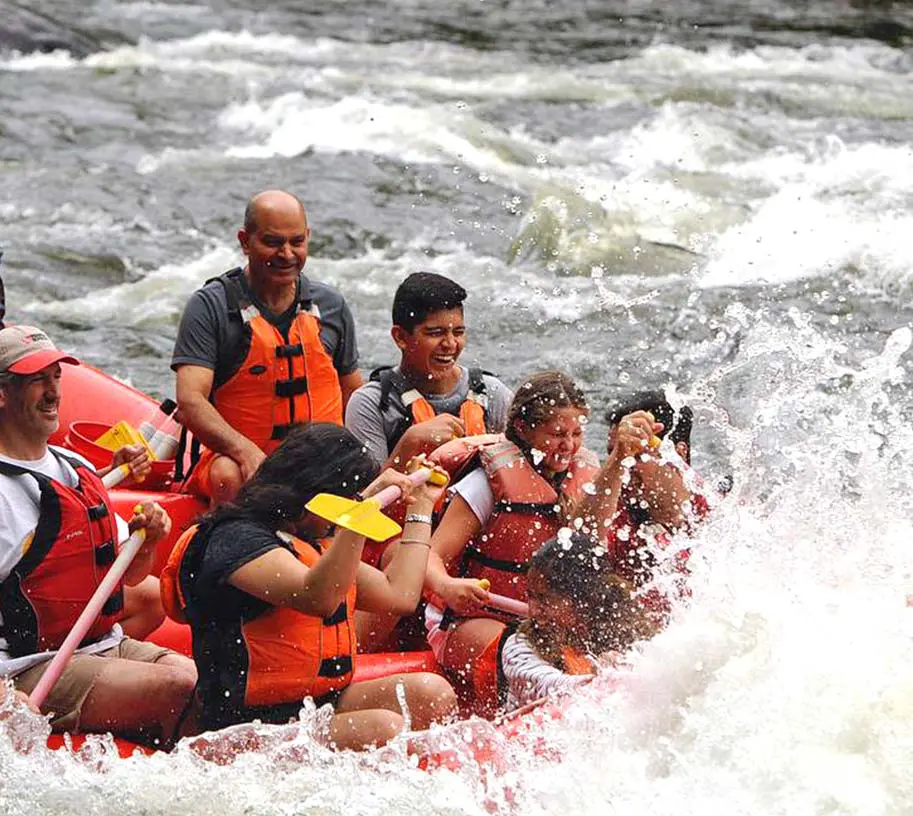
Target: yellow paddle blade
{"points": [[362, 517]]}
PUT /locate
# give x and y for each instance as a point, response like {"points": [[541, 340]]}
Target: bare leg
{"points": [[466, 643], [143, 612], [225, 480], [368, 713], [131, 697]]}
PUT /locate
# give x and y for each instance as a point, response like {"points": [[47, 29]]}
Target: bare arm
{"points": [[424, 438], [457, 528], [350, 383], [632, 436], [667, 494], [399, 587], [280, 579], [194, 385], [153, 518]]}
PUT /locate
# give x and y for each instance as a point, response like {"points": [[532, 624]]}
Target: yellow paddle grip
{"points": [[438, 478]]}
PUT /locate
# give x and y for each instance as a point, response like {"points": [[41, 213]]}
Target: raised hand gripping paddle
{"points": [[87, 618], [364, 517]]}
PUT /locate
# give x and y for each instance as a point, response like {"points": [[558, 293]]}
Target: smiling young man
{"points": [[58, 536], [428, 399], [260, 350]]}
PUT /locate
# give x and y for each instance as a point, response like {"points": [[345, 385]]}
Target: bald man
{"points": [[259, 350]]}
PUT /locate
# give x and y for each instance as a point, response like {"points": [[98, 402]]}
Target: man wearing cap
{"points": [[260, 350], [58, 536]]}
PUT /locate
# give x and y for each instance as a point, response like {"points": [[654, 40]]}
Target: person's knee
{"points": [[365, 729], [183, 667], [225, 479], [433, 694], [175, 684]]}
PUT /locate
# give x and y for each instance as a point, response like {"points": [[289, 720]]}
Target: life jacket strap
{"points": [[105, 554], [97, 512], [474, 554], [289, 350], [292, 388], [282, 431], [335, 666], [339, 616]]}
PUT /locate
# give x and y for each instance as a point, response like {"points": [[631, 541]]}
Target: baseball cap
{"points": [[27, 350]]}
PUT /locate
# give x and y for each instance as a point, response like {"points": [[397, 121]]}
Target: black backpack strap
{"points": [[477, 380], [478, 388], [234, 292], [392, 384]]}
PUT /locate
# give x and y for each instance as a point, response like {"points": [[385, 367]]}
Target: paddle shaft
{"points": [[390, 494], [114, 477], [504, 604], [87, 618]]}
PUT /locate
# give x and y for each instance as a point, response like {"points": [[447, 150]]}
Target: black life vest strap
{"points": [[282, 431], [339, 616], [98, 512], [180, 454], [288, 350], [105, 554], [474, 554], [531, 508], [335, 666], [292, 388]]}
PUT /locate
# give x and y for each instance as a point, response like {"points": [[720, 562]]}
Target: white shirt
{"points": [[476, 491], [529, 677], [19, 502]]}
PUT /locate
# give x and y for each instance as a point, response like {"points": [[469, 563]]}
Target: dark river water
{"points": [[710, 197]]}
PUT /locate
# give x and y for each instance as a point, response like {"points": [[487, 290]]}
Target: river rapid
{"points": [[709, 197]]}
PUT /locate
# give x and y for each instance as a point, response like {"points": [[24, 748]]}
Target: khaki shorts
{"points": [[78, 679]]}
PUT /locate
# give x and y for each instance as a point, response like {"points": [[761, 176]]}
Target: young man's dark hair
{"points": [[422, 294], [676, 424]]}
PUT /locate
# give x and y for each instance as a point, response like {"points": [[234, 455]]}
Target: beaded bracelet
{"points": [[418, 518]]}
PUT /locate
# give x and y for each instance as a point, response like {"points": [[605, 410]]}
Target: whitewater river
{"points": [[710, 197]]}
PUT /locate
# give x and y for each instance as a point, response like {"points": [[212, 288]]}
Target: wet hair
{"points": [[676, 424], [422, 294], [572, 565], [538, 397], [319, 457]]}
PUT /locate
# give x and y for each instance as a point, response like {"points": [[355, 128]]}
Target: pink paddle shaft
{"points": [[87, 618], [390, 494], [509, 605]]}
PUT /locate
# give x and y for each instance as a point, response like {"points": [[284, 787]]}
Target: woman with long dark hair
{"points": [[271, 600]]}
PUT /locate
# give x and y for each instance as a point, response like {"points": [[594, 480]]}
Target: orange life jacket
{"points": [[575, 662], [72, 549], [281, 381], [411, 408], [527, 508], [284, 654]]}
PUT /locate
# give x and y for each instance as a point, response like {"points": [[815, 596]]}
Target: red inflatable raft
{"points": [[93, 402]]}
